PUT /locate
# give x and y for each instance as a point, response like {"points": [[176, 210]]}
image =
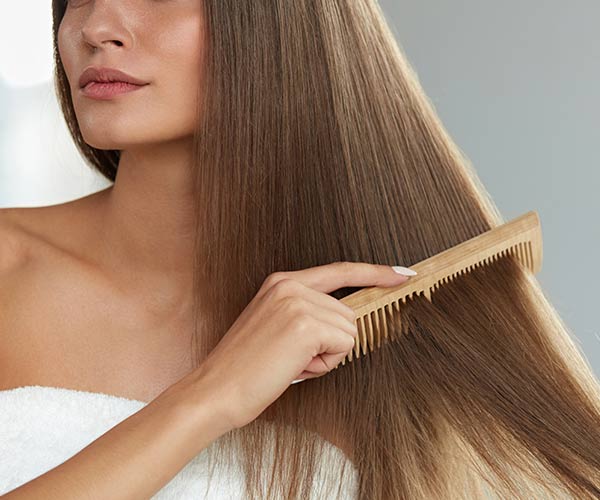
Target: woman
{"points": [[274, 157]]}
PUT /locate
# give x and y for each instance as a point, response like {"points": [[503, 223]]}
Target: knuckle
{"points": [[349, 312], [302, 322], [344, 265], [344, 268], [329, 365], [273, 278], [292, 304], [350, 344], [283, 287]]}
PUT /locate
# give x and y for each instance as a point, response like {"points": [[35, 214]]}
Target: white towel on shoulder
{"points": [[41, 427]]}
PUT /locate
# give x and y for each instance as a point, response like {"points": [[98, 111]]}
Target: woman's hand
{"points": [[291, 329]]}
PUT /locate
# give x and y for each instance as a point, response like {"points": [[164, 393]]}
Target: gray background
{"points": [[515, 83]]}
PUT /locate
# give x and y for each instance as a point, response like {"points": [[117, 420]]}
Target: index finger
{"points": [[329, 277]]}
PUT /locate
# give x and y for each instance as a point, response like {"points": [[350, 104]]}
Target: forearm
{"points": [[138, 456]]}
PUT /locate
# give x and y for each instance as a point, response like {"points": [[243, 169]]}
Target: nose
{"points": [[103, 27]]}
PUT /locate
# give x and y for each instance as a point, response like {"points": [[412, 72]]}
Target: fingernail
{"points": [[404, 270], [298, 380]]}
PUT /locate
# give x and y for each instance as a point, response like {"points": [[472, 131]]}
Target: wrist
{"points": [[199, 401]]}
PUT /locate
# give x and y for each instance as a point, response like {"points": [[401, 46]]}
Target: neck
{"points": [[147, 224]]}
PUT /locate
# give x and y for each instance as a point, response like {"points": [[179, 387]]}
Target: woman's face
{"points": [[157, 41]]}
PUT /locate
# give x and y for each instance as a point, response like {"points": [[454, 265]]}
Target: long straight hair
{"points": [[316, 143]]}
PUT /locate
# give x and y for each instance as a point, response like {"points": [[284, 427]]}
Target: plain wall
{"points": [[517, 85]]}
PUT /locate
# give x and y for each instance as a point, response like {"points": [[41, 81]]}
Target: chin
{"points": [[110, 138], [102, 143]]}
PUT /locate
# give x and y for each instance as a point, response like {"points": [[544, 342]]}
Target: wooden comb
{"points": [[520, 237]]}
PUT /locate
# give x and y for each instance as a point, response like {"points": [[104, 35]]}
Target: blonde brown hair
{"points": [[316, 143]]}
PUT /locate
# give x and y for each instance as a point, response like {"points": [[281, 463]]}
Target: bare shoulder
{"points": [[18, 241], [13, 252], [30, 237], [28, 287], [30, 232], [22, 230], [14, 258]]}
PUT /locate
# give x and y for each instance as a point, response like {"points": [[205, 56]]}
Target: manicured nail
{"points": [[404, 270], [298, 380]]}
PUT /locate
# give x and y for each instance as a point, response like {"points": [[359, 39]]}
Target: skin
{"points": [[146, 217], [108, 274], [115, 264], [102, 283]]}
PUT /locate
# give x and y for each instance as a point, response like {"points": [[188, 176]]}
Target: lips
{"points": [[107, 75]]}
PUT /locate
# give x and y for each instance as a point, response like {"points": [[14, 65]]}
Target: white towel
{"points": [[41, 427]]}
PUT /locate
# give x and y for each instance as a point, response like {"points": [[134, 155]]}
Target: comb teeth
{"points": [[375, 306]]}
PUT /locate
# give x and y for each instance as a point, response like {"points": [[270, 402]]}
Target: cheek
{"points": [[181, 65], [66, 51], [173, 100], [181, 49]]}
